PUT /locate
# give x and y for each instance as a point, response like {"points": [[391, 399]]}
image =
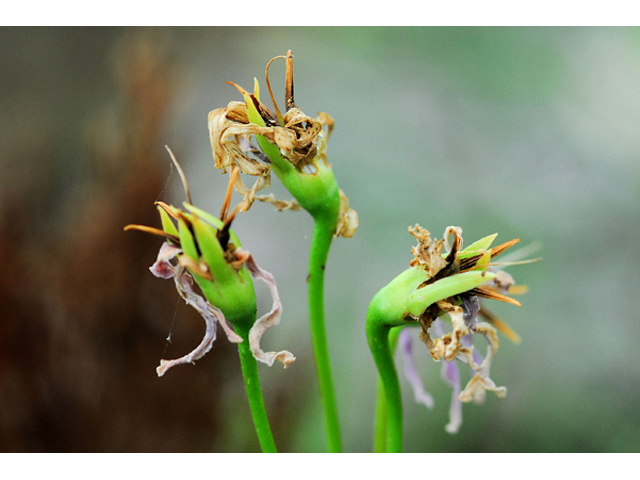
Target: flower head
{"points": [[446, 280], [293, 145], [203, 248]]}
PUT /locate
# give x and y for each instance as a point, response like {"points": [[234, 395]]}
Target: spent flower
{"points": [[203, 248], [293, 145], [447, 281]]}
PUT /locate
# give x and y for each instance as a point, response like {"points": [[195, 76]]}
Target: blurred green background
{"points": [[529, 132]]}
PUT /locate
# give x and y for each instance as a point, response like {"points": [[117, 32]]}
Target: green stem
{"points": [[254, 393], [318, 253], [380, 429], [378, 338], [380, 436]]}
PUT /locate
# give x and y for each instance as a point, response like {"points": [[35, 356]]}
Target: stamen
{"points": [[519, 262]]}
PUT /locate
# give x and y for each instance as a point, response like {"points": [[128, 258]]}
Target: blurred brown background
{"points": [[532, 133]]}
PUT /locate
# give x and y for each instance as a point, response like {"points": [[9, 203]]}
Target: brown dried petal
{"points": [[481, 381], [250, 195], [427, 253], [347, 219]]}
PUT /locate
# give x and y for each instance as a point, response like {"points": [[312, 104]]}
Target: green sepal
{"points": [[212, 252], [256, 88], [401, 299], [390, 304], [445, 288], [186, 241], [231, 291], [483, 262], [215, 222], [167, 224], [477, 246]]}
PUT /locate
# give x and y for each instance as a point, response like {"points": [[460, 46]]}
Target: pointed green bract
{"points": [[167, 224], [477, 246], [445, 288]]}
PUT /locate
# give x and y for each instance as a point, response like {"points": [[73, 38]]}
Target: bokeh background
{"points": [[532, 133]]}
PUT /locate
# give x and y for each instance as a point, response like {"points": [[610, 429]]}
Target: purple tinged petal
{"points": [[477, 356], [209, 313], [451, 375], [162, 267], [420, 394], [268, 320]]}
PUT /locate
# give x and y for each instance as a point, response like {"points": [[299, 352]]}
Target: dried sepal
{"points": [[347, 219], [268, 320]]}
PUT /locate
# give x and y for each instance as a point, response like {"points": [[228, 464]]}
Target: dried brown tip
{"points": [[240, 89], [170, 210], [153, 231], [502, 327], [182, 176], [223, 235], [469, 263], [227, 198], [273, 100], [493, 295], [288, 86], [501, 248]]}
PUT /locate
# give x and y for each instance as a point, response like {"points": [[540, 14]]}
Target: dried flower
{"points": [[293, 145], [450, 284], [206, 250]]}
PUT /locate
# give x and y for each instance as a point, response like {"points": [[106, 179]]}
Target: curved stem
{"points": [[380, 431], [318, 253], [378, 338], [254, 393]]}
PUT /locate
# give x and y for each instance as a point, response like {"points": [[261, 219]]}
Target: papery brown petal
{"points": [[481, 382], [347, 219], [427, 253]]}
